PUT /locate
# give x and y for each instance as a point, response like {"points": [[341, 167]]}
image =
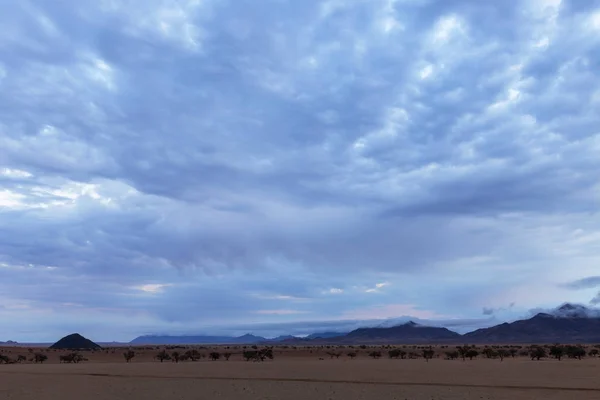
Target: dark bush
{"points": [[128, 355]]}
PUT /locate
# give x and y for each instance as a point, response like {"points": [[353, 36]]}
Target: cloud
{"points": [[584, 283], [492, 310], [377, 287], [280, 312], [152, 288], [258, 154], [390, 311]]}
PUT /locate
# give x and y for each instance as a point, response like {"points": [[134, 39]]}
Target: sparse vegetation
{"points": [[397, 353], [471, 354], [193, 355], [128, 355], [537, 353], [557, 351], [428, 354], [163, 356], [375, 354], [258, 355], [575, 352], [462, 350], [503, 353], [74, 358]]}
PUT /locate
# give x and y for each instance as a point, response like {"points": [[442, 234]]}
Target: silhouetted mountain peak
{"points": [[249, 336], [568, 307], [75, 341]]}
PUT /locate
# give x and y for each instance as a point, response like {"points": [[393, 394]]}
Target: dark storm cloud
{"points": [[161, 157]]}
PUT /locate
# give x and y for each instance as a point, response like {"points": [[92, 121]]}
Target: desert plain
{"points": [[296, 374]]}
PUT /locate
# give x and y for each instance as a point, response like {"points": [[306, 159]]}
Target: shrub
{"points": [[471, 354], [428, 354], [249, 355], [375, 354], [128, 355], [575, 352], [489, 353], [557, 351], [462, 350], [214, 356], [537, 353], [396, 353], [74, 358], [193, 355], [502, 353], [163, 356]]}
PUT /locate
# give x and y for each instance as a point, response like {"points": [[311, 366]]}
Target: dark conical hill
{"points": [[75, 342]]}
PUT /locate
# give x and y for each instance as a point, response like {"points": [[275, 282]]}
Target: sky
{"points": [[283, 166]]}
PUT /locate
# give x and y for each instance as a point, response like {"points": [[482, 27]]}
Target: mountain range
{"points": [[569, 323], [167, 339], [245, 339]]}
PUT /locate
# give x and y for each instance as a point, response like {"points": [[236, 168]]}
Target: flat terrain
{"points": [[299, 375]]}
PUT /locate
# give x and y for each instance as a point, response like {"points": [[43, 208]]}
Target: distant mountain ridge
{"points": [[409, 332], [325, 335], [569, 323], [200, 339]]}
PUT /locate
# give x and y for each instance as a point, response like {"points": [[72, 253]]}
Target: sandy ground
{"points": [[300, 375]]}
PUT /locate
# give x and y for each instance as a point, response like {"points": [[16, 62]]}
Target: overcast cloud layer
{"points": [[171, 166]]}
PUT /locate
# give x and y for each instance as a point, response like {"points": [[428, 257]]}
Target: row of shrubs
{"points": [[195, 355], [535, 352], [37, 358]]}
